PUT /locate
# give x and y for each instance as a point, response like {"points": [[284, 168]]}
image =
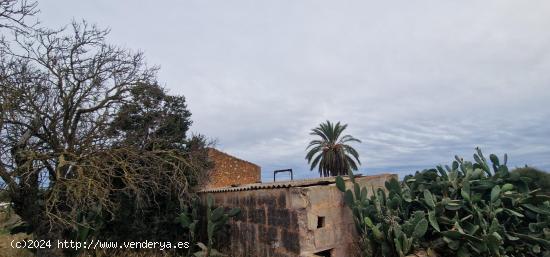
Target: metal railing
{"points": [[285, 170]]}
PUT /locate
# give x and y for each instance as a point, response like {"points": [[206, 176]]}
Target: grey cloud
{"points": [[418, 81]]}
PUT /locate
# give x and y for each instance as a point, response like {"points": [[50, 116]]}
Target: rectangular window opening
{"points": [[320, 221]]}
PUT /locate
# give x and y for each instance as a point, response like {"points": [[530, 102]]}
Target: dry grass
{"points": [[6, 221], [7, 251]]}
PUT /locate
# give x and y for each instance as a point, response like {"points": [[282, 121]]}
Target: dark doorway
{"points": [[325, 253]]}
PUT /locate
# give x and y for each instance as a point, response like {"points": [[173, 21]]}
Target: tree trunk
{"points": [[26, 205]]}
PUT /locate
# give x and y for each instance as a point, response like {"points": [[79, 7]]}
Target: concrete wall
{"points": [[267, 226], [330, 226], [229, 171], [294, 221]]}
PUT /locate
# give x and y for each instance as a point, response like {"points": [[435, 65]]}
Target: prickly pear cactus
{"points": [[215, 219], [466, 209]]}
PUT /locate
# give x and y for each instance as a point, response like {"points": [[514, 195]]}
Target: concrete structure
{"points": [[231, 171], [292, 219]]}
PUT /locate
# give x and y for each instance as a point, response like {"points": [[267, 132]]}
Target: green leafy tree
{"points": [[86, 131], [152, 119], [331, 153]]}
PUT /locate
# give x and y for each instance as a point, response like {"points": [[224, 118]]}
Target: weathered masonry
{"points": [[230, 171], [293, 218]]}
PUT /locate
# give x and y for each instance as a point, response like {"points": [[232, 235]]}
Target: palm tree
{"points": [[332, 153]]}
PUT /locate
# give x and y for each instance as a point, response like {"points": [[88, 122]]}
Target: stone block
{"points": [[291, 241], [281, 200], [278, 218], [229, 170], [257, 216], [285, 221]]}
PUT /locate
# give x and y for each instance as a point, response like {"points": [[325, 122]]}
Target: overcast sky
{"points": [[417, 81]]}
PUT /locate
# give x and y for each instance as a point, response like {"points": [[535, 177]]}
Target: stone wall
{"points": [[296, 221], [230, 171], [266, 226], [329, 227]]}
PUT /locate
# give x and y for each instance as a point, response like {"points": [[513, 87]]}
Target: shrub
{"points": [[540, 178], [214, 222], [467, 209]]}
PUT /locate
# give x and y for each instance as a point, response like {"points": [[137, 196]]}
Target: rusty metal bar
{"points": [[285, 170]]}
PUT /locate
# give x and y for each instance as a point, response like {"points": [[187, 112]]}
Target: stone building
{"points": [[231, 171], [293, 218]]}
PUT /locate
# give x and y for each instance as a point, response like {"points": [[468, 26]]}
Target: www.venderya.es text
{"points": [[97, 244]]}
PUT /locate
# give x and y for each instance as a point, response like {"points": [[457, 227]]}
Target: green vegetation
{"points": [[92, 147], [8, 220], [539, 177], [215, 220], [331, 153], [468, 209]]}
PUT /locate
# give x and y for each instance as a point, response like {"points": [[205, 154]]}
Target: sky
{"points": [[417, 81]]}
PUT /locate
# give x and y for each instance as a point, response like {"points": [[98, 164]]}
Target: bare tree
{"points": [[62, 93], [14, 12]]}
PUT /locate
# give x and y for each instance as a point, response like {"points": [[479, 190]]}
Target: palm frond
{"points": [[348, 138], [330, 153], [353, 152], [319, 132], [351, 164], [316, 161], [315, 142], [312, 152]]}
